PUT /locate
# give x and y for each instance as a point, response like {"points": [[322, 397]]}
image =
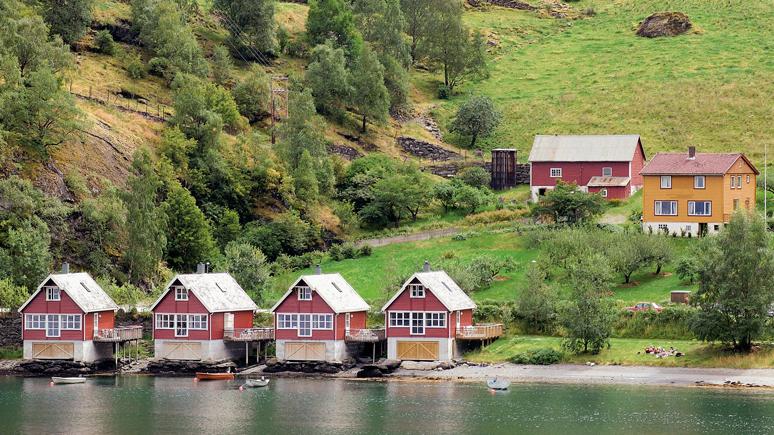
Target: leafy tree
{"points": [[287, 234], [394, 197], [307, 188], [627, 253], [381, 23], [227, 227], [124, 294], [177, 148], [588, 317], [24, 252], [328, 78], [370, 96], [444, 193], [659, 251], [251, 25], [68, 18], [451, 47], [469, 199], [332, 20], [419, 15], [735, 294], [26, 44], [105, 43], [103, 232], [476, 274], [362, 174], [11, 295], [302, 130], [537, 302], [477, 117], [249, 267], [145, 220], [221, 65], [687, 268], [201, 109], [475, 176], [567, 204], [252, 94], [396, 80], [189, 237]]}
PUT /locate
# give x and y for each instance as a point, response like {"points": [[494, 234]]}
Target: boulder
{"points": [[664, 24], [420, 365], [446, 365], [370, 371]]}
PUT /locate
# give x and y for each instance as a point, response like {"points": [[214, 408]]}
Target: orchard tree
{"points": [[68, 18], [189, 237], [475, 176], [627, 253], [329, 80], [249, 267], [567, 204], [469, 199], [477, 117], [251, 25], [537, 302], [332, 20], [370, 96], [735, 271]]}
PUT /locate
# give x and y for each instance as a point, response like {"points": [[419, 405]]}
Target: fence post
{"points": [[89, 92]]}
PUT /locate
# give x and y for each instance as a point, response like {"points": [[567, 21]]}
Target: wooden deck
{"points": [[366, 335], [484, 331], [118, 335], [248, 334]]}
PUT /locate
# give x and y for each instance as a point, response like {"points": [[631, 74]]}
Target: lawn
{"points": [[630, 351], [594, 76]]}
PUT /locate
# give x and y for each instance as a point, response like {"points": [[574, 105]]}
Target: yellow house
{"points": [[690, 193]]}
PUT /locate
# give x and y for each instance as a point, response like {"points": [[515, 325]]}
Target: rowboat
{"points": [[66, 380], [214, 376], [498, 384], [256, 383]]}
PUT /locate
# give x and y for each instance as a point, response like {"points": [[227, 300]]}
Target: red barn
{"points": [[196, 312], [609, 165], [315, 316], [66, 317], [424, 319]]}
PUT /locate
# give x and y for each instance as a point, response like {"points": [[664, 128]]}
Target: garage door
{"points": [[52, 350], [182, 350], [418, 350], [305, 351]]}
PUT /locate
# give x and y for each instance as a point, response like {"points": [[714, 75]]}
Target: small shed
{"points": [[503, 168]]}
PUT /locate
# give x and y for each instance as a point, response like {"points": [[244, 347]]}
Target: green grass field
{"points": [[707, 88], [628, 351]]}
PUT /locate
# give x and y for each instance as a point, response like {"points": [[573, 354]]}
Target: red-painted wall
{"points": [[638, 162], [106, 321], [405, 302], [617, 192], [317, 305], [39, 305], [169, 305], [575, 172]]}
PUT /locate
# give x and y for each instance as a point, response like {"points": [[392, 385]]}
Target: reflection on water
{"points": [[139, 404]]}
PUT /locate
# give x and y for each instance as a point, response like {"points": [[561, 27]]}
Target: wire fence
{"points": [[155, 110]]}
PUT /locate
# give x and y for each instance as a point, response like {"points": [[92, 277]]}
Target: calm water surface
{"points": [[133, 405]]}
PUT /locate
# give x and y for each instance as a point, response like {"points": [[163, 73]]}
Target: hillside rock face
{"points": [[664, 24]]}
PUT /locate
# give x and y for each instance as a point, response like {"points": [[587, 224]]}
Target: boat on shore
{"points": [[498, 384], [214, 376], [256, 383], [59, 380]]}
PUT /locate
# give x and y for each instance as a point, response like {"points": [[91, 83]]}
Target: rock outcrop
{"points": [[426, 150], [274, 366], [381, 368], [61, 367], [175, 367], [10, 330], [664, 24]]}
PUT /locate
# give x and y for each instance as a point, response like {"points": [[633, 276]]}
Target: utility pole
{"points": [[278, 85]]}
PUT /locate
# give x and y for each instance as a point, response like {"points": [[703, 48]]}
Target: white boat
{"points": [[66, 380], [498, 384], [256, 383]]}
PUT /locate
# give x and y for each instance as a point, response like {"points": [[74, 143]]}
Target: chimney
{"points": [[318, 270], [201, 268], [65, 267], [426, 267], [691, 152]]}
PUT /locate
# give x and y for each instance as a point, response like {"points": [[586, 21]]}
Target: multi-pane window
{"points": [[666, 181], [304, 293], [603, 192], [748, 179], [607, 172], [197, 321], [181, 325], [71, 322], [35, 321], [52, 325], [181, 294], [322, 321], [287, 321], [417, 290], [435, 320], [556, 172], [700, 208], [666, 208], [739, 182], [399, 318], [698, 182], [417, 323], [304, 325], [53, 294], [736, 204], [165, 321]]}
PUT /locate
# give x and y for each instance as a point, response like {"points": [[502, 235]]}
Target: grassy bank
{"points": [[630, 351]]}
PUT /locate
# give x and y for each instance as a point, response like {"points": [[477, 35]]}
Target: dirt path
{"points": [[413, 237]]}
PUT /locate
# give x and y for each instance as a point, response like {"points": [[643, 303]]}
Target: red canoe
{"points": [[214, 376]]}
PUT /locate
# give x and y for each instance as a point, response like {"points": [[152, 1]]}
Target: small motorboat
{"points": [[214, 376], [498, 384], [67, 380], [256, 383]]}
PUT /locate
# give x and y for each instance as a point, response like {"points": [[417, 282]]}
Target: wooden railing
{"points": [[122, 333], [248, 334], [366, 335], [480, 332]]}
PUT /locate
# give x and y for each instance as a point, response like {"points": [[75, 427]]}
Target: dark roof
{"points": [[702, 164]]}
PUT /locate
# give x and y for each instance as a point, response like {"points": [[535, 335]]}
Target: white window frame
{"points": [[657, 209], [181, 293], [197, 322], [179, 320], [603, 192], [35, 322], [165, 321], [70, 322], [400, 319], [739, 181], [607, 171], [556, 173], [304, 293], [322, 322], [435, 319], [696, 183], [417, 291], [666, 181], [53, 293], [748, 179], [417, 323], [287, 321], [51, 320], [692, 208], [304, 324]]}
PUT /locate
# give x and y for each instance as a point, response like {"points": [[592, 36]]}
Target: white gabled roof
{"points": [[82, 289], [333, 289], [218, 292], [584, 148], [443, 287]]}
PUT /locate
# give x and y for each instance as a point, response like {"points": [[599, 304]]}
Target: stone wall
{"points": [[426, 150], [450, 170], [10, 330]]}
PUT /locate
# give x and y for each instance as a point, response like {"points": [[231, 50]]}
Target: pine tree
{"points": [[370, 96]]}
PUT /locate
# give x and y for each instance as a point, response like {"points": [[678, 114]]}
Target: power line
{"points": [[235, 29]]}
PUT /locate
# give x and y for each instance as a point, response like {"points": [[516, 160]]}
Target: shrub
{"points": [[478, 273], [105, 43], [366, 251], [673, 322], [443, 92], [475, 176], [543, 356], [134, 67], [494, 312], [494, 216], [336, 252], [11, 295], [158, 66]]}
